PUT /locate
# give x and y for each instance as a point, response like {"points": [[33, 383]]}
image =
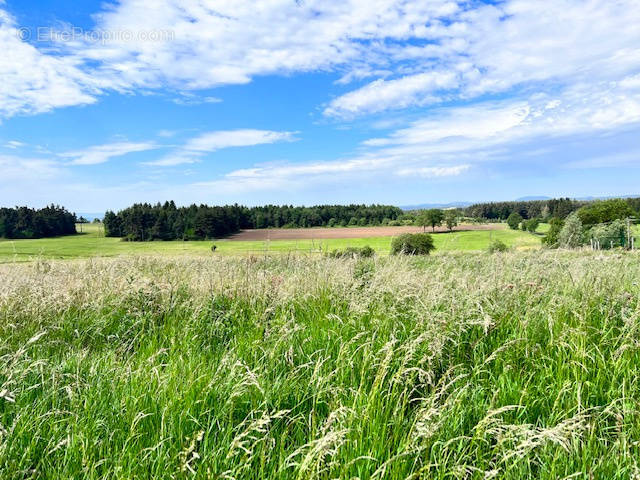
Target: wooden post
{"points": [[628, 232]]}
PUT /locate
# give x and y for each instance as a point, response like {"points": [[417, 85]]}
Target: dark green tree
{"points": [[514, 221], [451, 219], [430, 218], [551, 239]]}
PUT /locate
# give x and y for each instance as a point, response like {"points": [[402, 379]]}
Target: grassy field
{"points": [[92, 243], [513, 366]]}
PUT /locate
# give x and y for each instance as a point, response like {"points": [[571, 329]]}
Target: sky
{"points": [[107, 103]]}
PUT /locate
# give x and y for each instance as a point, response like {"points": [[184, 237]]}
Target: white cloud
{"points": [[418, 53], [103, 153], [33, 82], [478, 122], [21, 171], [231, 42], [174, 159], [14, 144], [624, 159], [166, 133], [212, 141], [449, 142], [187, 99], [563, 68], [515, 44], [358, 169], [380, 95], [194, 149], [433, 172]]}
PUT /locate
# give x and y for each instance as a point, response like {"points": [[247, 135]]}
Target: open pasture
{"points": [[92, 243]]}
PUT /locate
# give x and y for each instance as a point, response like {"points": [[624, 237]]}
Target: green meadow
{"points": [[518, 365], [92, 243]]}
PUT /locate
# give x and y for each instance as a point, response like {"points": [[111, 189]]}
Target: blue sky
{"points": [[103, 104]]}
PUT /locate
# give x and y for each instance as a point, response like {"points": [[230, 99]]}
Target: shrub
{"points": [[367, 252], [514, 221], [530, 225], [353, 252], [571, 234], [498, 246], [551, 239], [412, 244], [611, 235]]}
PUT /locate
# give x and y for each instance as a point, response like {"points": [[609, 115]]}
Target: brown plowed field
{"points": [[345, 232]]}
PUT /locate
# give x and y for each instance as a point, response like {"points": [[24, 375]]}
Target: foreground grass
{"points": [[92, 243], [520, 365]]}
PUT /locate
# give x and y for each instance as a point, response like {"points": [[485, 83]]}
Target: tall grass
{"points": [[518, 365]]}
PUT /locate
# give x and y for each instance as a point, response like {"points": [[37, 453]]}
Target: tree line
{"points": [[556, 207], [543, 209], [144, 221], [25, 222]]}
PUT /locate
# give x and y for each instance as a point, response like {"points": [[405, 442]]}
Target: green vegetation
{"points": [[24, 222], [556, 207], [451, 219], [518, 366], [544, 227], [591, 212], [514, 221], [430, 218], [531, 225], [571, 234], [353, 252], [604, 211], [93, 243], [145, 222], [602, 224], [609, 235], [412, 244], [552, 231], [498, 246]]}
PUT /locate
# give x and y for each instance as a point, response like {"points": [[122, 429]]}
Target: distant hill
{"points": [[426, 206], [532, 198]]}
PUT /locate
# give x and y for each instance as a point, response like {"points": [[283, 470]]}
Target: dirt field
{"points": [[350, 232]]}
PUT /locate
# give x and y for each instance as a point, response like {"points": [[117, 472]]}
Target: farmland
{"points": [[516, 365], [92, 243]]}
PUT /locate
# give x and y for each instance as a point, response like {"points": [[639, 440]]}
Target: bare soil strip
{"points": [[345, 232]]}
